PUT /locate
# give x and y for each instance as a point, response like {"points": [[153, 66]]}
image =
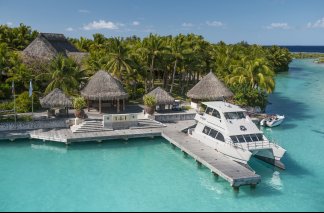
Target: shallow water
{"points": [[144, 175]]}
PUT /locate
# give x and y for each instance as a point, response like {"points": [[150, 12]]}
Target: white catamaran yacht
{"points": [[228, 129]]}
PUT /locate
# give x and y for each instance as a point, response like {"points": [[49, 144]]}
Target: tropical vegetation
{"points": [[175, 63]]}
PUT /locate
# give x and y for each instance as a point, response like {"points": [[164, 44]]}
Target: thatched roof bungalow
{"points": [[162, 97], [48, 45], [56, 99], [103, 87], [209, 88]]}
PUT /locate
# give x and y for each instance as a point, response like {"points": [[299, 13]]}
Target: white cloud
{"points": [[9, 24], [69, 29], [187, 24], [215, 23], [136, 23], [83, 11], [282, 25], [317, 24], [102, 24]]}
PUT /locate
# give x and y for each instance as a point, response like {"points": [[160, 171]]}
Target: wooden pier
{"points": [[236, 174], [67, 137]]}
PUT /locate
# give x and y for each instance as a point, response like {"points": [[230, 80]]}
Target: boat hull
{"points": [[271, 155], [236, 153]]}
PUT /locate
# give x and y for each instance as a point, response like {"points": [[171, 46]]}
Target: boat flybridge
{"points": [[228, 129]]}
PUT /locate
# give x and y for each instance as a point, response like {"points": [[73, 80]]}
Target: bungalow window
{"points": [[209, 111], [216, 114], [213, 133], [220, 137], [206, 130]]}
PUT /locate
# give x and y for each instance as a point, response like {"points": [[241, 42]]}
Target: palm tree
{"points": [[95, 62], [155, 47], [178, 48], [255, 73], [64, 74], [83, 44], [118, 59]]}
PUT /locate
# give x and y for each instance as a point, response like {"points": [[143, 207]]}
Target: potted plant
{"points": [[79, 104], [150, 103]]}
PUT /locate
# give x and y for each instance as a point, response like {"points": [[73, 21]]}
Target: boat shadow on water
{"points": [[293, 110]]}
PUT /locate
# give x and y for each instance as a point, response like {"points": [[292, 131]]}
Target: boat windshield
{"points": [[234, 115]]}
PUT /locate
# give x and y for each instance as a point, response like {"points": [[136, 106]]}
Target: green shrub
{"points": [[186, 107], [149, 101], [11, 118], [24, 102], [79, 103], [7, 106], [250, 97]]}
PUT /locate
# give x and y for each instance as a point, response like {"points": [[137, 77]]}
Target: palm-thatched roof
{"points": [[105, 87], [209, 88], [162, 97], [56, 99], [48, 45]]}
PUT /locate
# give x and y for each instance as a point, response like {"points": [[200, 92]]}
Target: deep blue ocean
{"points": [[309, 49]]}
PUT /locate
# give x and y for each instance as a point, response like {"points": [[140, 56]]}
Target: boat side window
{"points": [[234, 139], [260, 136], [209, 111], [206, 130], [216, 114], [241, 115], [220, 137], [213, 133], [234, 115], [247, 138], [240, 138], [254, 137]]}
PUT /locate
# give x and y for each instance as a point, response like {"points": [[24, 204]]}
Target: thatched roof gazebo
{"points": [[103, 87], [162, 97], [56, 100], [209, 88]]}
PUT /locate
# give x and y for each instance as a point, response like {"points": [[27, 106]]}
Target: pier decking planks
{"points": [[235, 173]]}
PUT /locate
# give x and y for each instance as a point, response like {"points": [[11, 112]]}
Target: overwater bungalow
{"points": [[103, 90], [209, 88], [56, 100], [164, 99], [48, 45]]}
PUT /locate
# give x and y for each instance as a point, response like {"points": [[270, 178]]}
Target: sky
{"points": [[265, 22]]}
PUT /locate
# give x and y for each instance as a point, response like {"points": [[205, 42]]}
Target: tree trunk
{"points": [[173, 75], [165, 78], [145, 82], [152, 73], [187, 81]]}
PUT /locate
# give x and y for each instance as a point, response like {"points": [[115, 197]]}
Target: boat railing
{"points": [[253, 145], [236, 145]]}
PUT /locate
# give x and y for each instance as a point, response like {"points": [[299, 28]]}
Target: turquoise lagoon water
{"points": [[144, 175]]}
